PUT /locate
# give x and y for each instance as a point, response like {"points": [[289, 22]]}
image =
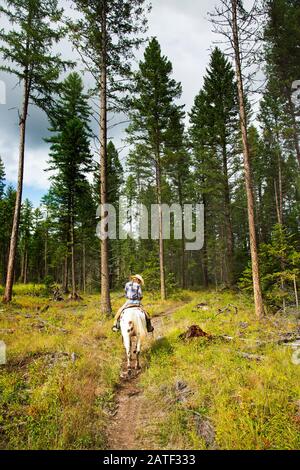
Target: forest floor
{"points": [[236, 389]]}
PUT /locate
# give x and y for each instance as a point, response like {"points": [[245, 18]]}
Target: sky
{"points": [[185, 35]]}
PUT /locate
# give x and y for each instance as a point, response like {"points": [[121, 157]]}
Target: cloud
{"points": [[35, 164]]}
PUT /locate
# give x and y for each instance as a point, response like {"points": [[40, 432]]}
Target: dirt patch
{"points": [[194, 331]]}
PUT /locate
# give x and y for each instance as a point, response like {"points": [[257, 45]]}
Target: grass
{"points": [[247, 404], [62, 368], [36, 290], [59, 383]]}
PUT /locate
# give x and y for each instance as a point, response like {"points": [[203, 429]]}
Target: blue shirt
{"points": [[133, 291]]}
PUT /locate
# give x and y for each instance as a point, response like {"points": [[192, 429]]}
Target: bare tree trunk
{"points": [[228, 221], [258, 299], [183, 264], [66, 275], [21, 279], [16, 220], [72, 237], [83, 268], [104, 267], [277, 202], [46, 250], [296, 292], [279, 206], [205, 254], [25, 266], [161, 241], [280, 190]]}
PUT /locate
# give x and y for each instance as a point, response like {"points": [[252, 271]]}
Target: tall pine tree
{"points": [[27, 51], [70, 156], [106, 35], [152, 108]]}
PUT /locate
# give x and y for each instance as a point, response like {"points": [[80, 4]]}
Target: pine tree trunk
{"points": [[204, 250], [16, 220], [161, 241], [46, 252], [104, 267], [83, 268], [296, 292], [72, 238], [258, 300], [183, 276], [25, 266], [279, 205], [228, 222], [21, 279], [66, 275]]}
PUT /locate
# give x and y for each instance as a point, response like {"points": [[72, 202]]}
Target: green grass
{"points": [[36, 290], [249, 404], [47, 400]]}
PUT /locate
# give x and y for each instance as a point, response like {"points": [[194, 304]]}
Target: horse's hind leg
{"points": [[127, 345], [138, 350]]}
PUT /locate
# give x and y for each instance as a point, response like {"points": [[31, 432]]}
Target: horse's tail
{"points": [[141, 326]]}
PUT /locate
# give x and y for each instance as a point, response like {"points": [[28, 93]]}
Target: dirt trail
{"points": [[130, 404]]}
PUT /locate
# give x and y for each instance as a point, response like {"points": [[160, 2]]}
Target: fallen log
{"points": [[43, 323], [251, 357], [228, 309]]}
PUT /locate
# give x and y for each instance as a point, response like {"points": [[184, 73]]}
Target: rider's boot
{"points": [[150, 328], [116, 326]]}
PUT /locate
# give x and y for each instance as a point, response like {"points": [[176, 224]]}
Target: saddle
{"points": [[150, 328], [132, 305]]}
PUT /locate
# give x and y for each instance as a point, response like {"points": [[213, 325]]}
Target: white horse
{"points": [[133, 323]]}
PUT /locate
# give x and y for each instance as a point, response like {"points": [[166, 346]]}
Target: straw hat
{"points": [[139, 277]]}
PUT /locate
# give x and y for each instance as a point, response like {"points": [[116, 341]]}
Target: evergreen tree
{"points": [[280, 268], [178, 170], [204, 170], [106, 35], [26, 50], [239, 27], [70, 156], [114, 184], [282, 52], [7, 211], [26, 221], [37, 267], [220, 115], [151, 111]]}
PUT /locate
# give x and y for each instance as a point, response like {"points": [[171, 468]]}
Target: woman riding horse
{"points": [[133, 293]]}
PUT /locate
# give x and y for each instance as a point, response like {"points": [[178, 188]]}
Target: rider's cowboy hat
{"points": [[139, 277]]}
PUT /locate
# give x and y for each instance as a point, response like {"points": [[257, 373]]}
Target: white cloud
{"points": [[35, 164]]}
